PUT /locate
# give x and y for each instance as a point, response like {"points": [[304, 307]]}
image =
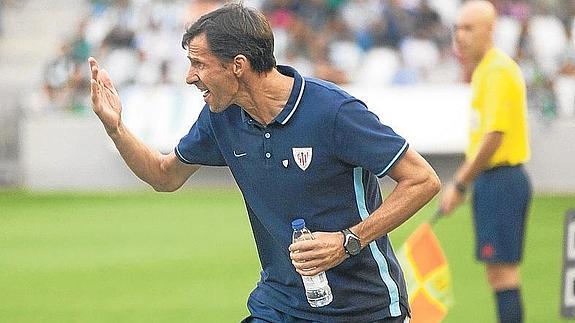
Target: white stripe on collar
{"points": [[296, 102]]}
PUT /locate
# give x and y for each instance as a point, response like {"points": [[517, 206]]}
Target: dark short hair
{"points": [[233, 30]]}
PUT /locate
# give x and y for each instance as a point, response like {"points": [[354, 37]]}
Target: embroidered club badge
{"points": [[302, 157]]}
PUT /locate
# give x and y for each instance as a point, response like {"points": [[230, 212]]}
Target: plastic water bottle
{"points": [[317, 289]]}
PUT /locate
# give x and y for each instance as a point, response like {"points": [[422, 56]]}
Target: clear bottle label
{"points": [[315, 282]]}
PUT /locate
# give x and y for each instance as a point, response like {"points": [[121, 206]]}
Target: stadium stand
{"points": [[409, 42]]}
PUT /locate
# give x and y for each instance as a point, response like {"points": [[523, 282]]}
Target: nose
{"points": [[456, 39], [192, 77], [460, 34], [455, 33]]}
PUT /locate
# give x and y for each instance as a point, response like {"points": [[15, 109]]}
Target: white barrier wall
{"points": [[65, 151], [431, 118]]}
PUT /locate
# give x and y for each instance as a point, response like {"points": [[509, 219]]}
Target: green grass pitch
{"points": [[190, 257]]}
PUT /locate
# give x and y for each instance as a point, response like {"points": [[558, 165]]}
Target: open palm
{"points": [[105, 99]]}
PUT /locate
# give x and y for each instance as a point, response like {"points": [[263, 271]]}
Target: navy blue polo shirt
{"points": [[319, 160]]}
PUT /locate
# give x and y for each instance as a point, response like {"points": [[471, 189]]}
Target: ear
{"points": [[241, 65]]}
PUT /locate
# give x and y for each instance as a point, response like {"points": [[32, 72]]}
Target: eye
{"points": [[196, 64]]}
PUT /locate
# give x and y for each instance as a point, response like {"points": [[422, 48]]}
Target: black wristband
{"points": [[461, 188]]}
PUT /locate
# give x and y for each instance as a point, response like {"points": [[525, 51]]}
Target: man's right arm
{"points": [[165, 173], [162, 172]]}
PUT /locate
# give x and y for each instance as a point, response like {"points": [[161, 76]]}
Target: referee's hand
{"points": [[451, 198]]}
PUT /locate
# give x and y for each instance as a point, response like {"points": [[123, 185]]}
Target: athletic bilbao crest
{"points": [[302, 157]]}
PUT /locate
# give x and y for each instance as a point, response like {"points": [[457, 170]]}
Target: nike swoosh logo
{"points": [[240, 154]]}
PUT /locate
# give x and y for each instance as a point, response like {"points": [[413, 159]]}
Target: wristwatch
{"points": [[351, 242]]}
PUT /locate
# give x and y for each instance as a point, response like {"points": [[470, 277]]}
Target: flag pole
{"points": [[435, 217]]}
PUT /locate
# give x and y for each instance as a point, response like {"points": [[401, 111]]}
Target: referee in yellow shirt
{"points": [[498, 147]]}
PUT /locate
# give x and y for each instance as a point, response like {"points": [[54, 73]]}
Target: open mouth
{"points": [[205, 93]]}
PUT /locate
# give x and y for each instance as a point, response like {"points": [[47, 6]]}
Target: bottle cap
{"points": [[298, 224]]}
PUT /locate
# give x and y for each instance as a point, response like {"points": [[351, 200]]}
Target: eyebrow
{"points": [[190, 56], [192, 59], [462, 25]]}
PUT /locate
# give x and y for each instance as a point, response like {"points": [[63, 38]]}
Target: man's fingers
{"points": [[93, 67], [307, 265], [94, 92], [101, 75], [107, 81], [97, 97], [309, 271], [303, 246], [305, 256]]}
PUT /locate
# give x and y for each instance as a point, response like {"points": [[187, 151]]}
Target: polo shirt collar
{"points": [[294, 99], [295, 96]]}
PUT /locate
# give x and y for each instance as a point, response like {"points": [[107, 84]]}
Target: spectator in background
{"points": [[566, 12], [420, 50], [497, 149], [518, 9], [80, 47], [564, 81], [428, 22], [339, 40], [303, 38], [397, 23], [362, 19], [120, 49], [57, 77], [197, 8], [99, 6]]}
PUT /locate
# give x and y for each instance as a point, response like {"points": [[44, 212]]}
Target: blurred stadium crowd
{"points": [[375, 43]]}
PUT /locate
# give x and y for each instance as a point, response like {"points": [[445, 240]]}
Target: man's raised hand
{"points": [[105, 99]]}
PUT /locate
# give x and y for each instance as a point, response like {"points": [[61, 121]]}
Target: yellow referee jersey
{"points": [[499, 104]]}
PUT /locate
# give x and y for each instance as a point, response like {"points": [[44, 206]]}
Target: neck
{"points": [[477, 60], [263, 96]]}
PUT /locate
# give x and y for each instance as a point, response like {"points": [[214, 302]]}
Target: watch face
{"points": [[352, 245]]}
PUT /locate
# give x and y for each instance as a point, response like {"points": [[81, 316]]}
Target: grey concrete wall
{"points": [[552, 164], [66, 152]]}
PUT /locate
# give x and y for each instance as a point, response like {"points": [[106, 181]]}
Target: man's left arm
{"points": [[417, 183]]}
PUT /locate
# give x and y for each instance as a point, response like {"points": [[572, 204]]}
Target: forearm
{"points": [[149, 165], [470, 169], [396, 209], [417, 183]]}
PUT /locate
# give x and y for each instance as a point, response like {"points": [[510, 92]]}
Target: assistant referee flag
{"points": [[427, 276]]}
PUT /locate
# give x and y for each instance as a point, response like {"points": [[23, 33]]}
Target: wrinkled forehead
{"points": [[198, 46]]}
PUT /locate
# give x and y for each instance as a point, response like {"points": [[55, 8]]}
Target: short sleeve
{"points": [[497, 101], [362, 140], [199, 146]]}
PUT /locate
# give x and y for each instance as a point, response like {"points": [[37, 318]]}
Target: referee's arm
{"points": [[468, 171]]}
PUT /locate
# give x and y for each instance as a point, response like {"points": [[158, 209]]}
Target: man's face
{"points": [[214, 78], [471, 36]]}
